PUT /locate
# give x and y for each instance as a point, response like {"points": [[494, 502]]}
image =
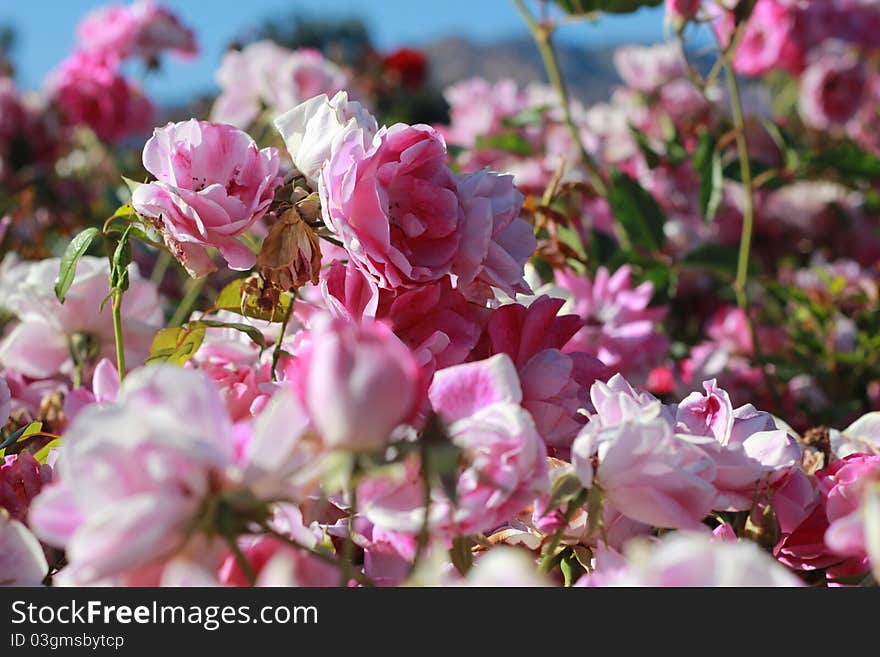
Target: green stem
{"points": [[321, 556], [116, 305], [194, 289], [424, 531], [242, 560], [745, 242], [347, 569], [549, 559], [542, 33], [276, 353], [740, 284], [163, 260]]}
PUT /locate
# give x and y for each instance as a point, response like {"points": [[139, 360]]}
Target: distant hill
{"points": [[589, 73]]}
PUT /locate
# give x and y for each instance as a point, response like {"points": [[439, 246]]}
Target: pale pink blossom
{"points": [[135, 475], [212, 183], [38, 345], [5, 401], [496, 242], [310, 128], [647, 472], [264, 74], [358, 383], [847, 485], [684, 559], [648, 68], [22, 562], [502, 465]]}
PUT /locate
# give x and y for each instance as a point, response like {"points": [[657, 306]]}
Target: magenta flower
{"points": [[212, 183], [143, 28], [620, 328], [832, 88], [555, 376], [21, 479], [851, 487], [89, 90]]}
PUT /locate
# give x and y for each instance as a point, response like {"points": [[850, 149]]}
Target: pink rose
{"points": [[212, 183], [136, 475], [847, 484], [503, 464], [620, 328], [143, 28], [394, 204], [648, 68], [496, 242], [358, 383], [266, 75], [89, 90], [647, 472], [21, 479], [692, 560], [832, 88]]}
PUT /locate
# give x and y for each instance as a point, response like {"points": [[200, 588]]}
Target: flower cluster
{"points": [[632, 343]]}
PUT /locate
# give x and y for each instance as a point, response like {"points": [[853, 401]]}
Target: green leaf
{"points": [[507, 141], [75, 250], [638, 213], [707, 162], [849, 161], [652, 159], [122, 211], [564, 489], [721, 258], [131, 184], [461, 555], [251, 331], [530, 117], [121, 261], [610, 6], [176, 345], [21, 434], [237, 297], [43, 453]]}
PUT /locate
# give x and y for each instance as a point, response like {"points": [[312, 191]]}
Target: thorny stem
{"points": [[745, 243], [542, 33]]}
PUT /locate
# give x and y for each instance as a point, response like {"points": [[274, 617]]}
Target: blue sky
{"points": [[45, 30]]}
